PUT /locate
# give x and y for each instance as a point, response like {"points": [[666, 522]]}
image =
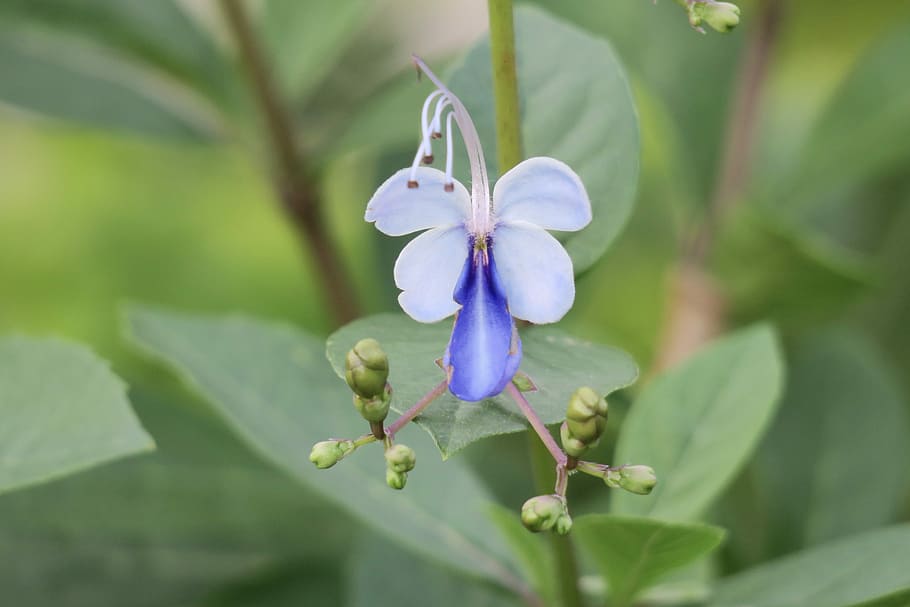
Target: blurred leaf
{"points": [[288, 584], [159, 35], [383, 575], [771, 269], [698, 423], [859, 570], [576, 107], [557, 362], [632, 553], [165, 529], [307, 38], [63, 410], [835, 460], [842, 152], [271, 384], [72, 79], [533, 554], [691, 74]]}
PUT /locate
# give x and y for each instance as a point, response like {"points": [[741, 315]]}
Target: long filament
{"points": [[480, 187]]}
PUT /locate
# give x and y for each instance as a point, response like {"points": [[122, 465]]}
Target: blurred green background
{"points": [[133, 167]]}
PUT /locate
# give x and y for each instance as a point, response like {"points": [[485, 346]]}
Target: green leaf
{"points": [[160, 35], [63, 410], [272, 385], [771, 269], [633, 553], [102, 88], [843, 152], [557, 363], [383, 575], [867, 569], [576, 107], [533, 554], [834, 462], [308, 37], [697, 424], [164, 529]]}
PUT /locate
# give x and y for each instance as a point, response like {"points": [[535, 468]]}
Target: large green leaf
{"points": [[161, 35], [272, 385], [63, 410], [383, 575], [576, 106], [698, 423], [867, 569], [69, 78], [198, 516], [633, 553], [842, 151], [773, 270], [557, 363], [835, 460]]}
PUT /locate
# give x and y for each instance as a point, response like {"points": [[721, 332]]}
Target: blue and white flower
{"points": [[485, 258]]}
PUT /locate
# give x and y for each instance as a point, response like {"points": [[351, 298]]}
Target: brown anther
{"points": [[449, 187], [435, 135], [412, 184], [428, 159]]}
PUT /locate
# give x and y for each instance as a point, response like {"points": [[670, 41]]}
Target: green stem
{"points": [[561, 546], [294, 185], [505, 84], [508, 154]]}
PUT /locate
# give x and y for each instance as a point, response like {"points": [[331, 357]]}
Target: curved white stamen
{"points": [[480, 187], [412, 178], [449, 148], [425, 144], [436, 125]]}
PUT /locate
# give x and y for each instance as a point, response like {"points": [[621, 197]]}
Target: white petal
{"points": [[545, 192], [398, 209], [427, 271], [535, 271]]}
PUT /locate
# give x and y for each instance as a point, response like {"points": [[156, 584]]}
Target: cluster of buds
{"points": [[586, 420], [585, 424], [547, 513], [366, 371], [719, 16]]}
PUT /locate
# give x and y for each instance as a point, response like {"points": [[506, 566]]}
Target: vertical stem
{"points": [[560, 545], [696, 309], [298, 194], [508, 154], [505, 84]]}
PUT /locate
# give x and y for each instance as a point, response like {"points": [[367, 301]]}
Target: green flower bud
{"points": [[586, 416], [366, 369], [327, 453], [563, 524], [400, 458], [546, 512], [634, 479], [721, 16], [374, 409], [394, 479], [570, 444]]}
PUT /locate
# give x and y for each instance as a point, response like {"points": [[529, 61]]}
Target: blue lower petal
{"points": [[485, 350]]}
